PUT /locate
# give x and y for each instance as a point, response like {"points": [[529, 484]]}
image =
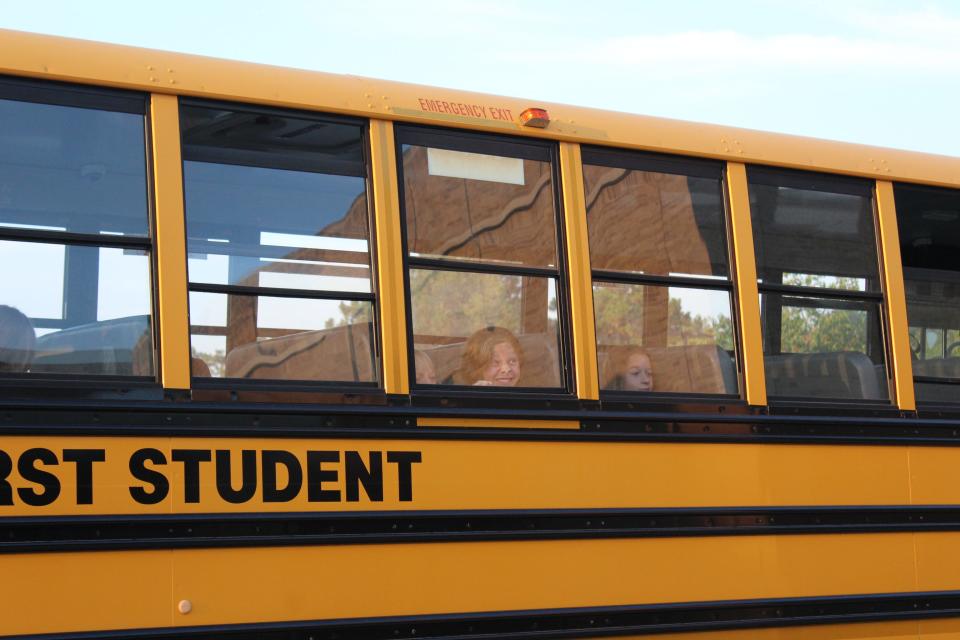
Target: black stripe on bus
{"points": [[580, 622], [166, 531]]}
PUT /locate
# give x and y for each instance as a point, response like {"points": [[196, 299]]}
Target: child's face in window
{"points": [[504, 367], [639, 374]]}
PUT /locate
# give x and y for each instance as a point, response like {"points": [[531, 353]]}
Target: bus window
{"points": [[661, 277], [278, 245], [820, 296], [482, 249], [74, 232], [928, 219]]}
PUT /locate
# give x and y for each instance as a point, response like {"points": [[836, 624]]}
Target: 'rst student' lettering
{"points": [[268, 475]]}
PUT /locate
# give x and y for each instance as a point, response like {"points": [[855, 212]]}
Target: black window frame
{"points": [[332, 391], [69, 386], [689, 167], [503, 146]]}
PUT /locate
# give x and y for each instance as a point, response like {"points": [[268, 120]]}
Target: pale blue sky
{"points": [[882, 72]]}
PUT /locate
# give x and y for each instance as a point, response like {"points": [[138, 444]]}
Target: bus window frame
{"points": [[687, 166], [503, 146], [109, 386], [281, 391]]}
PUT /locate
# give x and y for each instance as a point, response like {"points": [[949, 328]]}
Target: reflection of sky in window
{"points": [[700, 302], [40, 295], [238, 202], [83, 169], [124, 284], [210, 309]]}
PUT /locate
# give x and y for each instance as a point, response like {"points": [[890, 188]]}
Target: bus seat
{"points": [[338, 354], [841, 375], [108, 347], [703, 368], [937, 367], [540, 363]]}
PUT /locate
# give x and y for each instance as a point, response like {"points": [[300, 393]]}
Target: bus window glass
{"points": [[928, 220], [89, 307], [685, 334], [72, 169], [661, 278], [480, 218], [818, 278], [828, 348], [277, 203], [813, 231], [74, 223], [264, 337], [653, 221], [483, 207], [459, 319]]}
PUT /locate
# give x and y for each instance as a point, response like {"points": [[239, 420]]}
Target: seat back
{"points": [[340, 354], [846, 375]]}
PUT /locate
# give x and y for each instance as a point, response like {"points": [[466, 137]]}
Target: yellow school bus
{"points": [[286, 354]]}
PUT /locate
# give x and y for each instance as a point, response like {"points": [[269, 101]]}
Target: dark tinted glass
{"points": [[72, 169], [813, 231], [264, 337], [479, 206], [83, 310], [454, 316], [271, 140], [275, 201], [928, 220], [651, 220], [683, 336], [823, 348]]}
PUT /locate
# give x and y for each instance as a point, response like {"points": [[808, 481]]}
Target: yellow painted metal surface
{"points": [[581, 291], [897, 328], [934, 475], [170, 242], [938, 563], [940, 629], [333, 582], [389, 258], [45, 593], [498, 424], [745, 282], [156, 71], [104, 590], [456, 474]]}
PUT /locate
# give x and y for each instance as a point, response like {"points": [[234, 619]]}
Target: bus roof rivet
{"points": [[184, 606]]}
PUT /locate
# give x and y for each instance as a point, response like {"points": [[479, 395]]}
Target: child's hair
{"points": [[17, 340], [615, 367], [479, 352]]}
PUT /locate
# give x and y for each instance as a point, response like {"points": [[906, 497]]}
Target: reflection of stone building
{"points": [[649, 223]]}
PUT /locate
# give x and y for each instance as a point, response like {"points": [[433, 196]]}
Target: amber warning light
{"points": [[535, 117]]}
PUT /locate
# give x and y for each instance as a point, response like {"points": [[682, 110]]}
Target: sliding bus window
{"points": [[928, 220], [482, 249], [278, 246], [661, 277], [818, 274], [75, 246]]}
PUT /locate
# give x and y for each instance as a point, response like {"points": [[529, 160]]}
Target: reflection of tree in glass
{"points": [[450, 303], [352, 312], [819, 330], [619, 315], [215, 361]]}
